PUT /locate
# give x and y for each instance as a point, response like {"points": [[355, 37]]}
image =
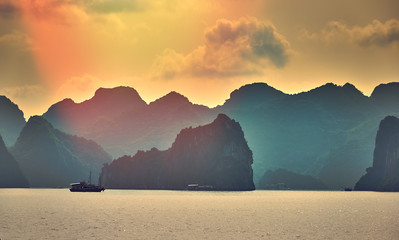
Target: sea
{"points": [[150, 214]]}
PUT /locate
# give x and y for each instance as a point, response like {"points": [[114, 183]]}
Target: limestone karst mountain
{"points": [[51, 158], [214, 155], [384, 174], [321, 132]]}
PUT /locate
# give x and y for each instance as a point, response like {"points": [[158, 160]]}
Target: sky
{"points": [[56, 49]]}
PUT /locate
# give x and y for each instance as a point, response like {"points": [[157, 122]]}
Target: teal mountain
{"points": [[216, 154], [11, 121], [325, 132], [282, 179], [10, 174], [384, 174], [51, 158]]}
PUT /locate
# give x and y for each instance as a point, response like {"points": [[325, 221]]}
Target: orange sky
{"points": [[53, 49]]}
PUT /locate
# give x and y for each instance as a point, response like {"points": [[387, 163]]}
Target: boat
{"points": [[347, 189], [86, 187]]}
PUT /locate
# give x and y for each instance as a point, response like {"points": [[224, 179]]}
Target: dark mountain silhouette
{"points": [[384, 174], [386, 96], [253, 94], [323, 132], [282, 179], [215, 154], [11, 121], [51, 158], [10, 173], [123, 123]]}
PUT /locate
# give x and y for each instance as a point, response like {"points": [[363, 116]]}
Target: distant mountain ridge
{"points": [[51, 158], [214, 155], [281, 179], [320, 132], [123, 123]]}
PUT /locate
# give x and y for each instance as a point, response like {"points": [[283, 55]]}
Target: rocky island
{"points": [[215, 155], [384, 174]]}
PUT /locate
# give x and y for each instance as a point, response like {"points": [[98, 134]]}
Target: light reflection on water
{"points": [[140, 214]]}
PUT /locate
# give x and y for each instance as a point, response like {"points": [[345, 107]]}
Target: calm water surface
{"points": [[129, 214]]}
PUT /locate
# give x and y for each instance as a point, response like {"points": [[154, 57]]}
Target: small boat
{"points": [[85, 187], [347, 189]]}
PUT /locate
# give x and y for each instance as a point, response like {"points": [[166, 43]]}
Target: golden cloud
{"points": [[376, 33], [231, 48]]}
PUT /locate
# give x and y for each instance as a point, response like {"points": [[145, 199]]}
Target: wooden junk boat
{"points": [[86, 187]]}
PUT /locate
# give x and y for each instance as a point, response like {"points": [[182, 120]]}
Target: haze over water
{"points": [[130, 214]]}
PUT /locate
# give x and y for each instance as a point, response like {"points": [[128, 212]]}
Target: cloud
{"points": [[27, 92], [8, 9], [374, 34], [231, 48]]}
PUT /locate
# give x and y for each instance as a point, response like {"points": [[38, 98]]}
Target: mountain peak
{"points": [[222, 118], [386, 91], [116, 91], [258, 88], [11, 120], [332, 90], [172, 98], [175, 96], [349, 86], [254, 93], [67, 102], [6, 105], [117, 95], [391, 123], [36, 122]]}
